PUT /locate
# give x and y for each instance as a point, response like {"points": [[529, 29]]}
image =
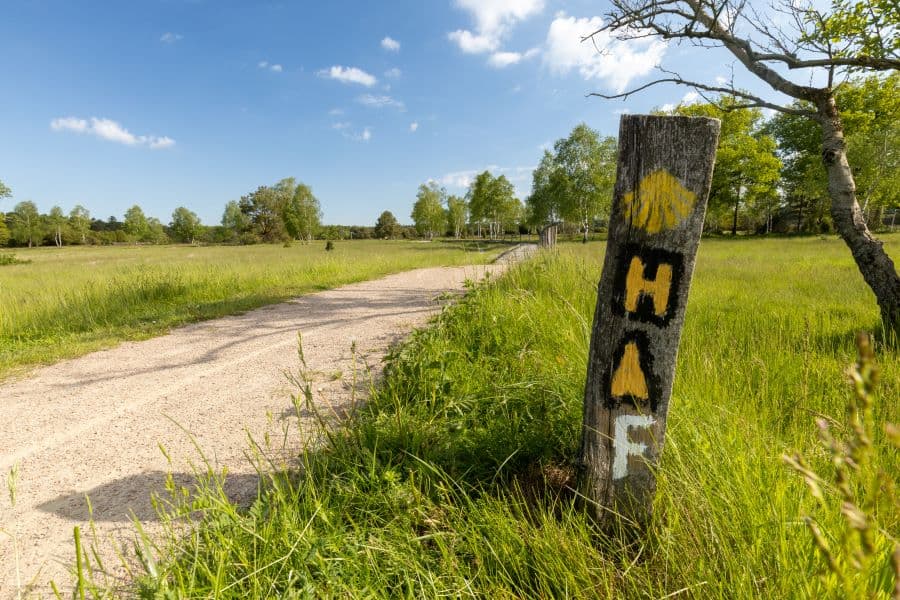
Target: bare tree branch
{"points": [[753, 101]]}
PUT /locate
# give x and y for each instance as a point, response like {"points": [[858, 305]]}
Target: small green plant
{"points": [[856, 554], [11, 259], [12, 486]]}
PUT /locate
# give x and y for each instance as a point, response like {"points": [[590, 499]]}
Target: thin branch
{"points": [[752, 101]]}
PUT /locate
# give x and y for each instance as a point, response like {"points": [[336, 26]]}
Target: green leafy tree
{"points": [[5, 192], [544, 201], [4, 230], [747, 171], [56, 220], [871, 114], [492, 203], [234, 221], [26, 226], [136, 223], [80, 222], [156, 231], [457, 215], [387, 227], [301, 213], [804, 60], [263, 211], [428, 211], [185, 225], [586, 172]]}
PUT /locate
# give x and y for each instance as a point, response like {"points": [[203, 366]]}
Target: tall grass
{"points": [[454, 480], [73, 300]]}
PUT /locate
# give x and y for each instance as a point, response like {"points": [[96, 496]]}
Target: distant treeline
{"points": [[279, 213], [768, 177]]}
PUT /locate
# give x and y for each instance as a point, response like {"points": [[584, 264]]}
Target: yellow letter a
{"points": [[629, 379]]}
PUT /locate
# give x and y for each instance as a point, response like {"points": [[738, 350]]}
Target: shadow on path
{"points": [[121, 499]]}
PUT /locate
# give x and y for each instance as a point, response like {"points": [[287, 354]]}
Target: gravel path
{"points": [[94, 425]]}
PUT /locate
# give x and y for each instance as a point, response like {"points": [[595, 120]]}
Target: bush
{"points": [[10, 259], [248, 238]]}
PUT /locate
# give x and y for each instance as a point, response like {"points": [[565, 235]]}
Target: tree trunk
{"points": [[876, 266], [737, 204]]}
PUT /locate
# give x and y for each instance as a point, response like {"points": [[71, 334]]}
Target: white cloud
{"points": [[373, 101], [110, 130], [493, 21], [462, 179], [622, 111], [349, 75], [390, 44], [69, 124], [170, 38], [162, 143], [471, 43], [414, 126], [393, 73], [505, 59], [275, 68], [336, 111], [347, 130], [617, 65], [691, 97]]}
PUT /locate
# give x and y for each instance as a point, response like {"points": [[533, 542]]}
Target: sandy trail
{"points": [[94, 425]]}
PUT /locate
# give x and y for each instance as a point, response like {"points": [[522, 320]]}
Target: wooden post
{"points": [[662, 182], [548, 236]]}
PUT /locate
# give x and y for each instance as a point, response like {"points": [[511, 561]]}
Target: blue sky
{"points": [[172, 102]]}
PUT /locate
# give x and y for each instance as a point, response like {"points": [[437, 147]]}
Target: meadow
{"points": [[59, 303], [454, 480]]}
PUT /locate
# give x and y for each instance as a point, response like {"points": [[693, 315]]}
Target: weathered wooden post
{"points": [[548, 236], [663, 177]]}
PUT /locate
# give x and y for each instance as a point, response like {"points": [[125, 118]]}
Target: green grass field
{"points": [[69, 301], [451, 481]]}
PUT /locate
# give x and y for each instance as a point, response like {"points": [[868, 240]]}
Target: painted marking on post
{"points": [[654, 233], [659, 202], [624, 446], [658, 289], [628, 378], [647, 284]]}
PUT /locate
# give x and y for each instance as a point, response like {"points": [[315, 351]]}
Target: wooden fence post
{"points": [[548, 236], [659, 203]]}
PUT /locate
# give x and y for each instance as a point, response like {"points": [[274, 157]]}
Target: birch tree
{"points": [[804, 53]]}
